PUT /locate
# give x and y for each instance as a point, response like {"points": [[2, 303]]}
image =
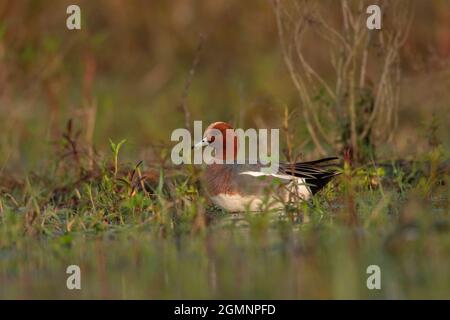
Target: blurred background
{"points": [[125, 74], [133, 71]]}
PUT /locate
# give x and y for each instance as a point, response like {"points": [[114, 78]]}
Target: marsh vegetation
{"points": [[85, 170]]}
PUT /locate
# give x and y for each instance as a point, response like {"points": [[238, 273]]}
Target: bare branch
{"points": [[187, 85]]}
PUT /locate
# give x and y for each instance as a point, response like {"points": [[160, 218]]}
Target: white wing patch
{"points": [[260, 174]]}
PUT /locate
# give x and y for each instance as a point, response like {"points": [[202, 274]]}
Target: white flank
{"points": [[237, 203], [298, 184]]}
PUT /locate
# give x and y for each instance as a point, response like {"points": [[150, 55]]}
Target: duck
{"points": [[243, 187]]}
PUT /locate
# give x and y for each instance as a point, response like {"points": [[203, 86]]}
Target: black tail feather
{"points": [[316, 173]]}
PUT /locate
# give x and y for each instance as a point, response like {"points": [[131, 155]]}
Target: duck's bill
{"points": [[200, 144]]}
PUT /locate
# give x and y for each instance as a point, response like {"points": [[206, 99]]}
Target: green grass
{"points": [[167, 242]]}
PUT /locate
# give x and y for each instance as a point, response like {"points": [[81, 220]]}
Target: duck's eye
{"points": [[211, 139]]}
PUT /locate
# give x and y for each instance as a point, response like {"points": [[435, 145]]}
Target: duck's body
{"points": [[245, 187]]}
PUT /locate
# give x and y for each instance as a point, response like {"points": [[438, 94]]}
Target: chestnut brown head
{"points": [[221, 136]]}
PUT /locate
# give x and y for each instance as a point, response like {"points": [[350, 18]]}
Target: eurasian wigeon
{"points": [[244, 187]]}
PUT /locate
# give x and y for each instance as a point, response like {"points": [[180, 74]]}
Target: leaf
{"points": [[112, 146], [119, 145], [161, 182]]}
